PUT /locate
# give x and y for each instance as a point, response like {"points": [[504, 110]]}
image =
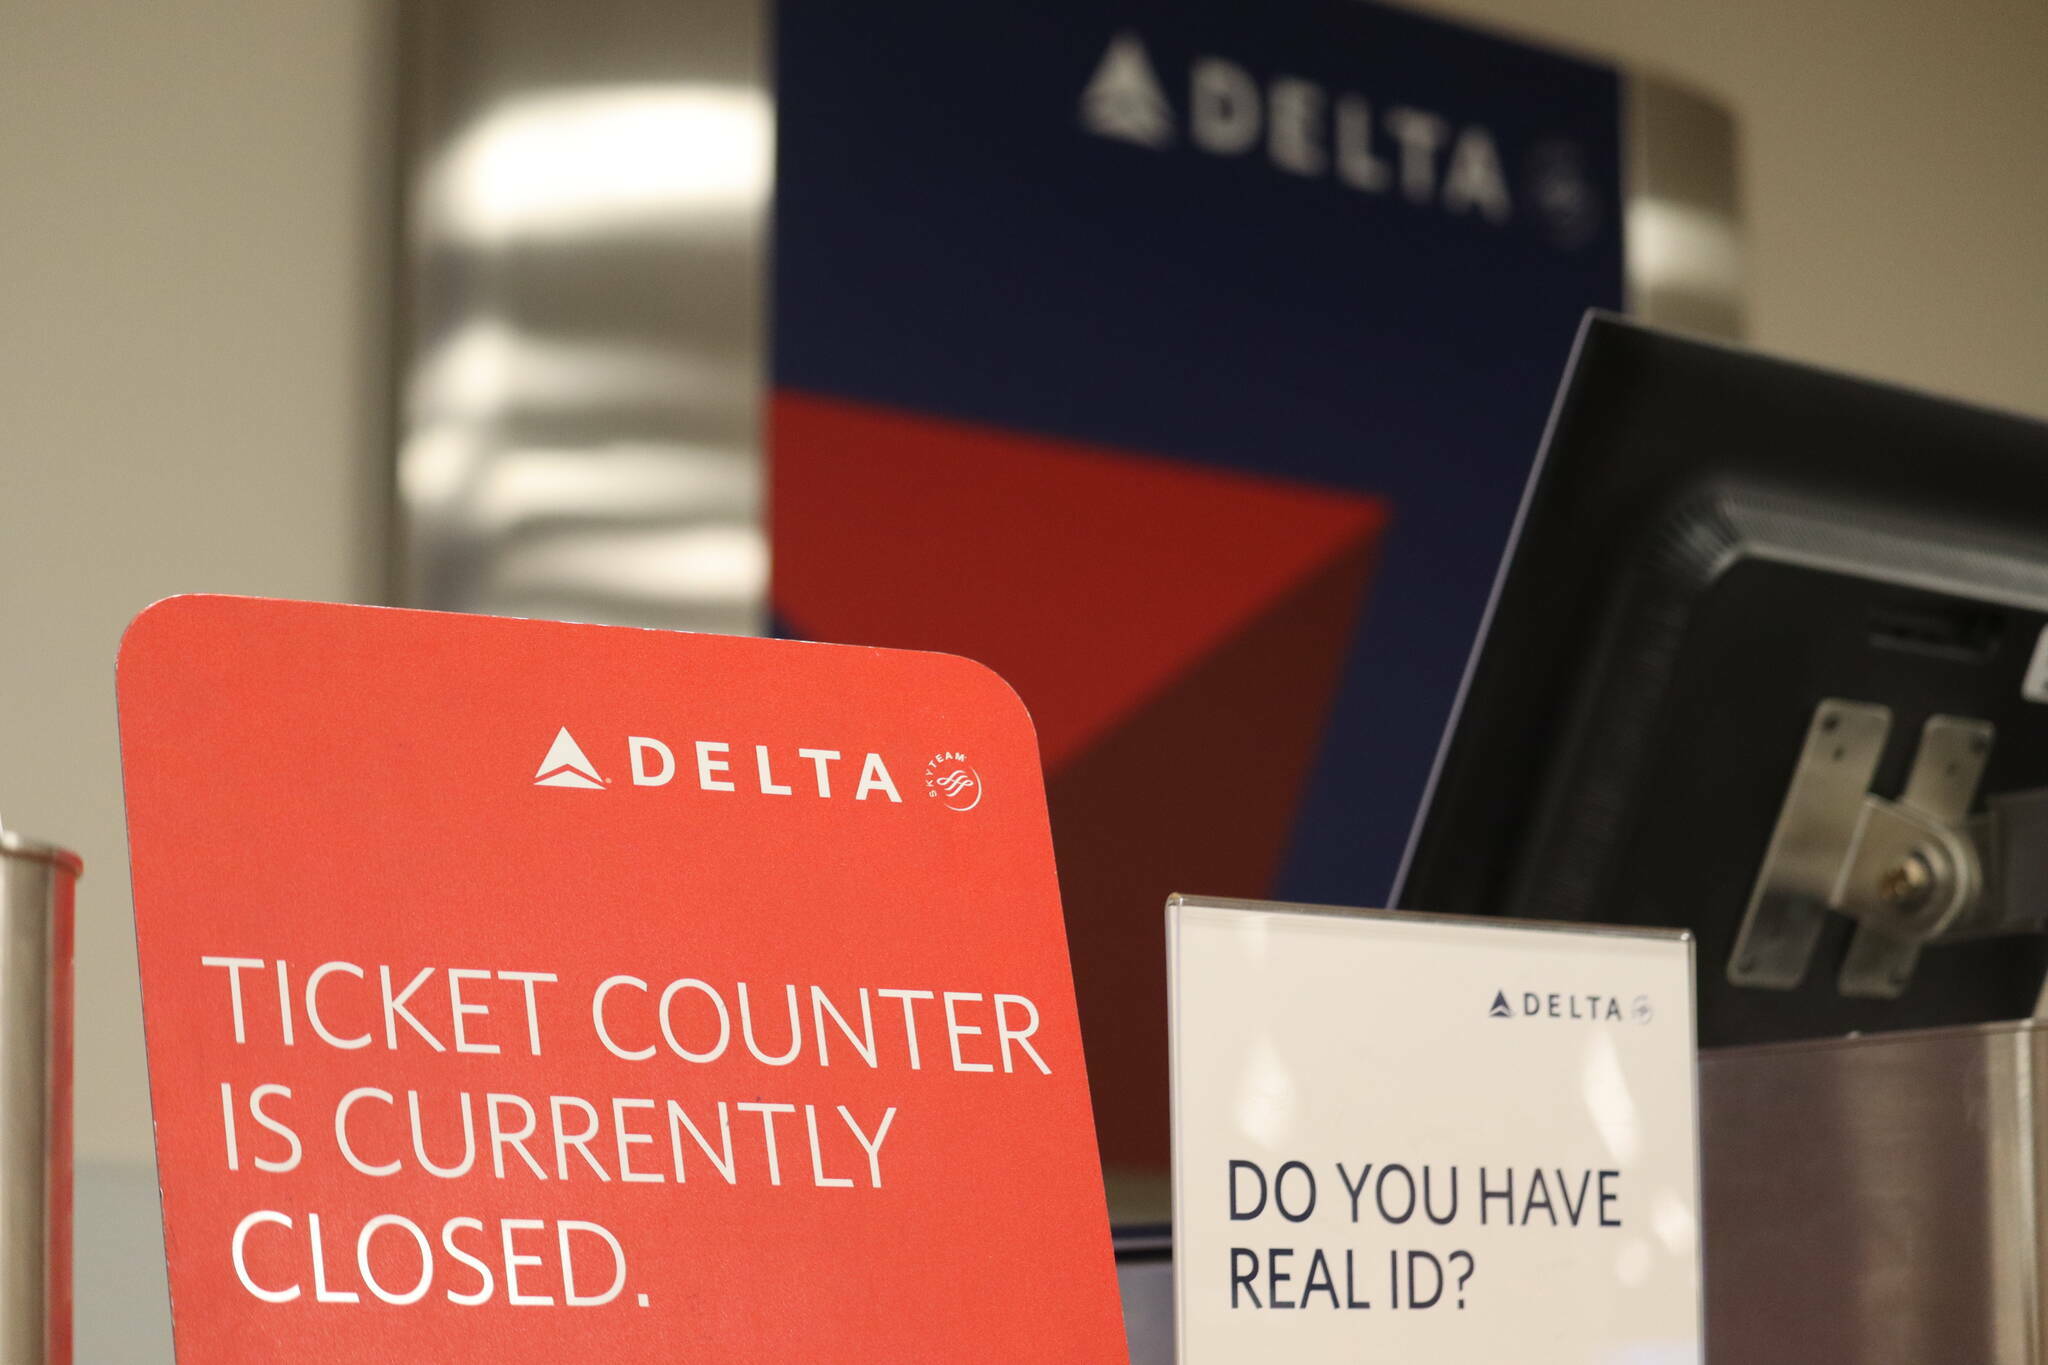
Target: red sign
{"points": [[535, 992]]}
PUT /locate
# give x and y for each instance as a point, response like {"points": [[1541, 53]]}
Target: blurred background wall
{"points": [[1890, 160], [194, 323], [192, 320]]}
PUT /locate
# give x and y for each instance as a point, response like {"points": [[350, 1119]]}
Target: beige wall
{"points": [[1893, 155], [190, 298], [191, 308]]}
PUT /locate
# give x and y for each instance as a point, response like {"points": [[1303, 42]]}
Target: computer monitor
{"points": [[1765, 660]]}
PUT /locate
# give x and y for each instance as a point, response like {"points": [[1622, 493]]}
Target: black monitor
{"points": [[1766, 661]]}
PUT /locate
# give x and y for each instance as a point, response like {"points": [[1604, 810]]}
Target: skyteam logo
{"points": [[567, 766], [1592, 1009], [1428, 158], [951, 780]]}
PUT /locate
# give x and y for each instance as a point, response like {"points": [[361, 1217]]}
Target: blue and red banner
{"points": [[1184, 362]]}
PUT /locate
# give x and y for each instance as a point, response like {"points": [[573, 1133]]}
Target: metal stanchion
{"points": [[36, 882]]}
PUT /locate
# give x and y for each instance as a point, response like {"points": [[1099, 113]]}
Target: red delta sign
{"points": [[534, 992]]}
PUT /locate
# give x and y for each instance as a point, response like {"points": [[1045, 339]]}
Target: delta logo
{"points": [[1594, 1009], [1303, 128], [758, 769], [567, 766]]}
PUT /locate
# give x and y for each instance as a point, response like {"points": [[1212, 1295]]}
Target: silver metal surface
{"points": [[582, 313], [1905, 882], [1875, 1201], [1913, 872], [1803, 862], [1683, 213], [1910, 872], [1145, 1284], [35, 1093], [1948, 766]]}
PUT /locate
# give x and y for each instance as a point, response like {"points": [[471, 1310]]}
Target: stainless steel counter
{"points": [[1875, 1200]]}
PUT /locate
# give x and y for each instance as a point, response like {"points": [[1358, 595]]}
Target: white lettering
{"points": [[1005, 1035], [1357, 165], [564, 1139], [227, 1120], [284, 1001], [955, 1031], [1223, 107], [526, 981], [235, 966], [796, 1033], [348, 1153], [769, 786], [818, 1176], [501, 1139], [872, 1146], [819, 759], [768, 1113], [1295, 122], [679, 1120], [459, 1008], [513, 1261], [668, 1031], [640, 746], [321, 1293], [236, 1251], [1474, 179], [569, 1294], [394, 1008], [1421, 136], [319, 974], [604, 1034], [874, 776], [627, 1139], [863, 1042], [909, 1017], [707, 765], [256, 1098], [419, 1140], [370, 1229], [488, 1283]]}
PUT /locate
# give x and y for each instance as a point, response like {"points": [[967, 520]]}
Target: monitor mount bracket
{"points": [[1911, 872]]}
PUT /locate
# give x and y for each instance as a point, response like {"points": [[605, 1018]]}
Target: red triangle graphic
{"points": [[1090, 577], [1198, 791]]}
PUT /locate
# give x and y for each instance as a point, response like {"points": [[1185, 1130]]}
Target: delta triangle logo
{"points": [[1499, 1008], [1124, 99], [566, 766]]}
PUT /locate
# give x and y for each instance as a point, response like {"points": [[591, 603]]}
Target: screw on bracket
{"points": [[1907, 883]]}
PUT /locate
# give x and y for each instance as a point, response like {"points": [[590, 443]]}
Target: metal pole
{"points": [[36, 883]]}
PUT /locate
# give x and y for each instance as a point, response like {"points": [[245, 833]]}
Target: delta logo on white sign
{"points": [[1594, 1009], [1308, 131], [717, 766]]}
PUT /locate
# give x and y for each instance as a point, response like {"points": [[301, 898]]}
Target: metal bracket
{"points": [[1909, 871]]}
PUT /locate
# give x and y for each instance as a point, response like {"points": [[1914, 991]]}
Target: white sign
{"points": [[1406, 1138]]}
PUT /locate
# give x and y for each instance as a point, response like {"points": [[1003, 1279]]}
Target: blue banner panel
{"points": [[1314, 248]]}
